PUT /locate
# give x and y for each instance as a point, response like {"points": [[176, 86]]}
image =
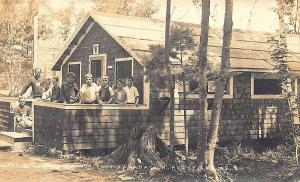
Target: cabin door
{"points": [[96, 68], [75, 68], [123, 69]]}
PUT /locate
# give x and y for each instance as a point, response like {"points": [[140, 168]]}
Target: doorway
{"points": [[76, 68]]}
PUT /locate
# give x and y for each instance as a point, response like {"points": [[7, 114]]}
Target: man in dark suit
{"points": [[69, 90]]}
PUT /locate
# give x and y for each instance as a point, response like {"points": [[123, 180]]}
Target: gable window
{"points": [[96, 49], [265, 86]]}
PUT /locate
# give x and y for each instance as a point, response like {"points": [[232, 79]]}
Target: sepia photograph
{"points": [[149, 90]]}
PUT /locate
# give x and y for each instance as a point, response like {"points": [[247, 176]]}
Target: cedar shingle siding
{"points": [[108, 46]]}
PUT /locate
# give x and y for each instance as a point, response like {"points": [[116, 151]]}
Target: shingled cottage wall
{"points": [[244, 118]]}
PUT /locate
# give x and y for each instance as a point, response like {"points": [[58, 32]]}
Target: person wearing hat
{"points": [[88, 91], [106, 93], [35, 84], [120, 95], [69, 90], [131, 92], [23, 114]]}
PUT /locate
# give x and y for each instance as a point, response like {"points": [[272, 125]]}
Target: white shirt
{"points": [[88, 93], [132, 93]]}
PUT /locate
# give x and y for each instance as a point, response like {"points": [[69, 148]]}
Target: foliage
{"points": [[181, 41], [127, 7], [255, 161], [292, 16], [16, 28], [213, 65]]}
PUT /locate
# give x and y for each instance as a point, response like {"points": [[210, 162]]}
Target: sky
{"points": [[257, 15]]}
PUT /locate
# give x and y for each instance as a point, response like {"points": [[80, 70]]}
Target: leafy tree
{"points": [[127, 7], [279, 56], [181, 43], [291, 15]]}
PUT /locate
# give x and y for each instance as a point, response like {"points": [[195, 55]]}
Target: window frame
{"points": [[95, 48], [146, 82], [268, 76], [120, 60], [226, 96]]}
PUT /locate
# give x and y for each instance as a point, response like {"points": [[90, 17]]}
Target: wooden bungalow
{"points": [[118, 46]]}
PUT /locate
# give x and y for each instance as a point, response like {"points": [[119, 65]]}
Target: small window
{"points": [[267, 87], [193, 86], [211, 86], [96, 49]]}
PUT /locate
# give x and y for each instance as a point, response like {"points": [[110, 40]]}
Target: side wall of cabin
{"points": [[243, 117]]}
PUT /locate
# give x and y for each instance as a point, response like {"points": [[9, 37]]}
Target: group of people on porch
{"points": [[124, 91], [90, 93]]}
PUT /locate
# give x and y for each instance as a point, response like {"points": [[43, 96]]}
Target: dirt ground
{"points": [[241, 163], [16, 167]]}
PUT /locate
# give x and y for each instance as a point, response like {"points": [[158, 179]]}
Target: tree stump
{"points": [[143, 144]]}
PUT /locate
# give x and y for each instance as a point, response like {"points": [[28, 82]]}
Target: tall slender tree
{"points": [[220, 87], [202, 134]]}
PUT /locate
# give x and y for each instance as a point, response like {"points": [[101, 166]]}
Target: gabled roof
{"points": [[250, 50]]}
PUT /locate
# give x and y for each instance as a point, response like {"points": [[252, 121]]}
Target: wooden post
{"points": [[170, 79], [35, 41], [186, 141]]}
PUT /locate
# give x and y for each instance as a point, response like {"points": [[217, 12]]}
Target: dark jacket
{"points": [[37, 89], [55, 94], [68, 92]]}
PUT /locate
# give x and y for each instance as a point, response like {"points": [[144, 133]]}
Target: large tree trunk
{"points": [[220, 87], [202, 133]]}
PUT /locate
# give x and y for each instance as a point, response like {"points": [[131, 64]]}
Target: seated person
{"points": [[69, 90], [119, 94], [105, 91], [35, 84], [131, 92], [22, 114], [88, 91]]}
